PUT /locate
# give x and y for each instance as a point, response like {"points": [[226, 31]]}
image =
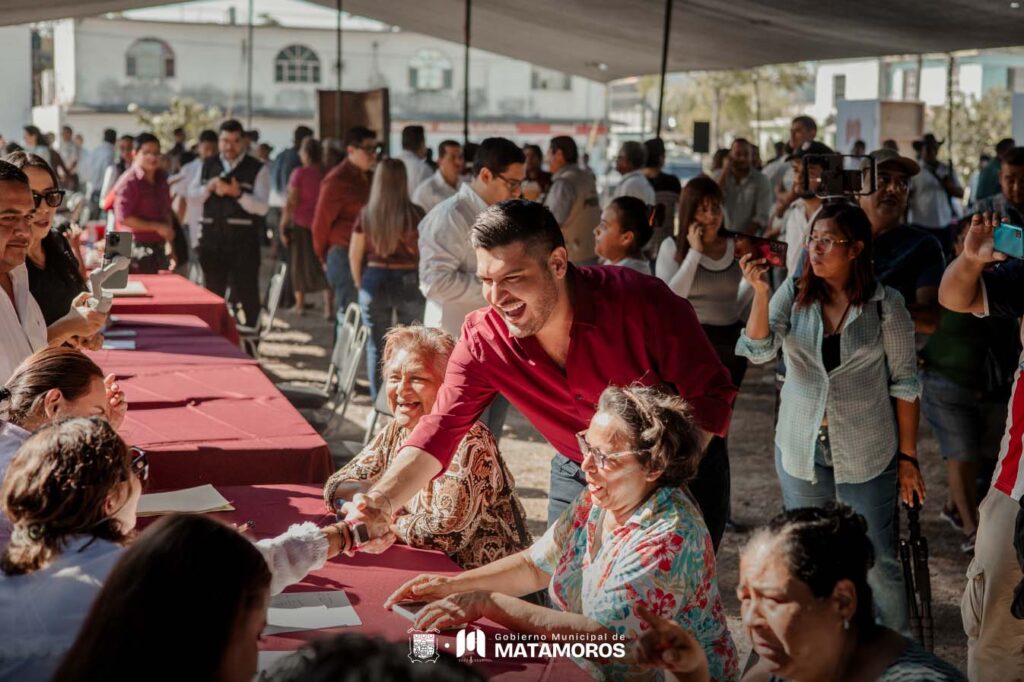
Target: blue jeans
{"points": [[566, 483], [387, 297], [339, 276], [876, 501]]}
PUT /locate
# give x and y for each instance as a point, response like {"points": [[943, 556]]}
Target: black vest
{"points": [[222, 212]]}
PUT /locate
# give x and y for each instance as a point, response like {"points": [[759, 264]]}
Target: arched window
{"points": [[430, 70], [297, 64], [149, 58]]}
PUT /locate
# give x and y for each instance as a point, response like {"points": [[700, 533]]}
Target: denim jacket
{"points": [[877, 362]]}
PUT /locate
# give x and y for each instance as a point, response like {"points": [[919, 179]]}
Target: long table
{"points": [[205, 412], [170, 294], [368, 580]]}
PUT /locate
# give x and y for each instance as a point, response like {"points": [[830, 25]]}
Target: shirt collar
{"points": [[653, 509], [13, 430], [467, 193]]}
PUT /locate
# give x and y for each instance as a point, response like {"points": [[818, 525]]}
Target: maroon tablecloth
{"points": [[206, 413], [367, 580], [171, 294]]}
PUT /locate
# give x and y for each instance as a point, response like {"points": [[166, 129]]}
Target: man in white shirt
{"points": [[747, 195], [802, 131], [98, 160], [445, 180], [933, 190], [414, 155], [630, 163], [192, 216]]}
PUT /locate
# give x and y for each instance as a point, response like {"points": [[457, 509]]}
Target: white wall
{"points": [[16, 77], [862, 82]]}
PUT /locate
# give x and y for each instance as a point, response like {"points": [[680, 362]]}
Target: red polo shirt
{"points": [[627, 328]]}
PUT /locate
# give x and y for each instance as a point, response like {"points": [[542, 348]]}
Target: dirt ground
{"points": [[298, 350]]}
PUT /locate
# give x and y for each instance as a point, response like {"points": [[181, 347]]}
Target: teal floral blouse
{"points": [[661, 557]]}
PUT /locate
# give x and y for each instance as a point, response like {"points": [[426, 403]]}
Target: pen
{"points": [[247, 526]]}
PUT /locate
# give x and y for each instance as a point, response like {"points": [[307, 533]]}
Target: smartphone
{"points": [[774, 252], [1009, 239], [117, 244], [409, 609]]}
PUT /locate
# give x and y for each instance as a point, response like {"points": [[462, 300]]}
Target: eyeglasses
{"points": [[513, 185], [52, 197], [897, 182], [824, 244], [140, 463], [600, 458]]}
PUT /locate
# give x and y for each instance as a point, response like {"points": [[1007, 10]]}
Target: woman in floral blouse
{"points": [[471, 511], [634, 539]]}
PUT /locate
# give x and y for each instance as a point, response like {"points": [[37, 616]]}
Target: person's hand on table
{"points": [[668, 645], [117, 403], [454, 611], [425, 587]]}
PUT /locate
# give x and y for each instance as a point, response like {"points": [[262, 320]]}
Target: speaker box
{"points": [[701, 137]]}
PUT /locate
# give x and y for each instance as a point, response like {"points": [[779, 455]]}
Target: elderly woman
{"points": [[633, 539], [471, 511], [807, 609]]}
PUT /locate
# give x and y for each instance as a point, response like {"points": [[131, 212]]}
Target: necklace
{"points": [[838, 327]]}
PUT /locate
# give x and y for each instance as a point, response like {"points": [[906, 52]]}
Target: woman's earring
{"points": [[846, 624]]}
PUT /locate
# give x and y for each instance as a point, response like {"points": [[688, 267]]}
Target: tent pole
{"points": [[465, 75], [949, 108], [664, 64], [337, 82], [248, 71]]}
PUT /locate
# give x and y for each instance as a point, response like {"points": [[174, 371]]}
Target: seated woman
{"points": [[71, 494], [807, 609], [634, 538], [471, 511]]}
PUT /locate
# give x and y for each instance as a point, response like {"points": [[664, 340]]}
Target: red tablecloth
{"points": [[367, 580], [171, 294], [206, 413]]}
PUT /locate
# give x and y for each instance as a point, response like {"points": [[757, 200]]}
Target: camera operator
{"points": [[234, 189]]}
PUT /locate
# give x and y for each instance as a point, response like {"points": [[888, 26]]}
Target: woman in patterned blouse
{"points": [[807, 609], [471, 511], [634, 539]]}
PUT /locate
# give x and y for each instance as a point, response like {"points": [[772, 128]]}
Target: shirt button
{"points": [[579, 397]]}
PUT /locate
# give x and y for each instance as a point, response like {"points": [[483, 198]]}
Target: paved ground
{"points": [[297, 350]]}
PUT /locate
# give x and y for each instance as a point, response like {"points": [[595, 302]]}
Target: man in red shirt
{"points": [[142, 205], [343, 193], [552, 339]]}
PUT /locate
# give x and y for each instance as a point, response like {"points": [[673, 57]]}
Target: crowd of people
{"points": [[621, 330]]}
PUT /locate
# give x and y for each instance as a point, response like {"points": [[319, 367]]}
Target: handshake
{"points": [[372, 511]]}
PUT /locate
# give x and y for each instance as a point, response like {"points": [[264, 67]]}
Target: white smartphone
{"points": [[409, 609]]}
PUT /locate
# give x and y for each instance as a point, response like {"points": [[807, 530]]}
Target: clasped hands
{"points": [[224, 188], [373, 509]]}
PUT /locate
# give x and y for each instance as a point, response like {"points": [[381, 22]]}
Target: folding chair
{"points": [[251, 336], [917, 580]]}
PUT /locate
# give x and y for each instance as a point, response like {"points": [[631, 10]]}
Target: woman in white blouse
{"points": [[699, 265]]}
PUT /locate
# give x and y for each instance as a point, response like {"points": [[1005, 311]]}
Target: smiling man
{"points": [[552, 338]]}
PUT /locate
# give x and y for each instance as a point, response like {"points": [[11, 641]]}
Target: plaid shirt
{"points": [[877, 362]]}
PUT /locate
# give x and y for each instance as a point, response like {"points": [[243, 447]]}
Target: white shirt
{"points": [[22, 327], [256, 202], [432, 191], [448, 262], [417, 170], [795, 228], [929, 204], [636, 184], [638, 264], [99, 158], [187, 178]]}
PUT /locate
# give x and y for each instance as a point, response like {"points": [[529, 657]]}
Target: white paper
{"points": [[198, 500], [134, 288], [296, 611], [120, 333], [118, 344]]}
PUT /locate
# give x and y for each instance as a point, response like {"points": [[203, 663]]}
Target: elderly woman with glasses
{"points": [[634, 539], [849, 408]]}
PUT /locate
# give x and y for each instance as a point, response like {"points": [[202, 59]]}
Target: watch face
{"points": [[360, 533]]}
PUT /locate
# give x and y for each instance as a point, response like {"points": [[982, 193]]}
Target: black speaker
{"points": [[701, 137]]}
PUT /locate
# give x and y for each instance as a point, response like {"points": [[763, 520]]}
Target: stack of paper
{"points": [[296, 611], [199, 500], [134, 288], [118, 344]]}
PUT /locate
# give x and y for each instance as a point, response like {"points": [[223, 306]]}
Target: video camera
{"points": [[836, 181]]}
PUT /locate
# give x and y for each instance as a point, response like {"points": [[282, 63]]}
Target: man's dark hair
{"points": [[655, 149], [1014, 157], [413, 137], [301, 133], [740, 140], [231, 126], [67, 128], [179, 131], [859, 143], [566, 145], [12, 147], [442, 148], [252, 135], [518, 220], [11, 173], [35, 132], [357, 135], [780, 148], [143, 139], [496, 154], [110, 135], [1004, 145], [533, 148], [807, 122], [130, 138], [635, 153], [208, 136]]}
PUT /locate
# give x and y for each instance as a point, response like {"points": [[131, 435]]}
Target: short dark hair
{"points": [[740, 140], [145, 138], [442, 148], [807, 122], [413, 137], [11, 173], [518, 220], [129, 138], [566, 145], [179, 131], [533, 148], [496, 154], [208, 136], [854, 225], [355, 136], [1013, 157], [67, 128], [110, 135], [635, 153], [655, 149], [252, 135], [301, 133], [1004, 145], [34, 131], [637, 217], [231, 125]]}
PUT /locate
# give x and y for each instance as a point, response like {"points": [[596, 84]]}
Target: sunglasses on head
{"points": [[140, 463], [52, 197]]}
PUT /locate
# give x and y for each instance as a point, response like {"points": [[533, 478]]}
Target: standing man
{"points": [[280, 172], [667, 189], [988, 177], [71, 153], [414, 156], [142, 206], [191, 212], [234, 189], [445, 180], [1009, 202], [630, 163], [552, 339], [932, 192], [747, 194], [573, 200], [343, 193], [99, 158], [995, 638], [802, 131]]}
